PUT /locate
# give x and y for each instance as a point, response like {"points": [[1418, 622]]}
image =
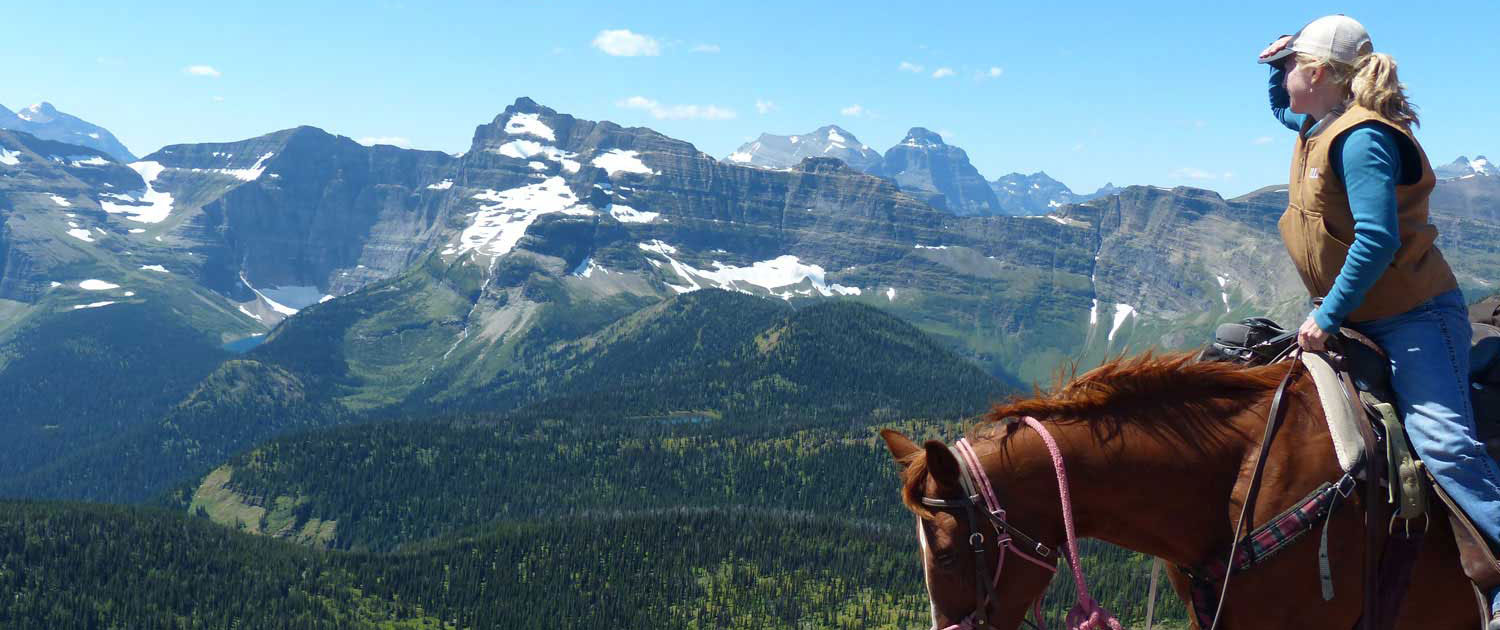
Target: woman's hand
{"points": [[1276, 46], [1310, 337]]}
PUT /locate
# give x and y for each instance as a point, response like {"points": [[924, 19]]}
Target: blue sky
{"points": [[1087, 91]]}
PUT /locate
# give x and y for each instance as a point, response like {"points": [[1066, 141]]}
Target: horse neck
{"points": [[1136, 490]]}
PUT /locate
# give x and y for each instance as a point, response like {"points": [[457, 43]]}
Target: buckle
{"points": [[1346, 480]]}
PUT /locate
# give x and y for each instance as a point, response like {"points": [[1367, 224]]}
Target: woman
{"points": [[1357, 230]]}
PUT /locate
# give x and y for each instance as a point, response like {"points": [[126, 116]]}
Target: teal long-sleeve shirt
{"points": [[1368, 160]]}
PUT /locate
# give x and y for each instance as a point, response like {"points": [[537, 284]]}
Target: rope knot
{"points": [[1089, 615]]}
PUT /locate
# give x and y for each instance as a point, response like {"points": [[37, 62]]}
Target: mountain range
{"points": [[922, 165], [426, 282]]}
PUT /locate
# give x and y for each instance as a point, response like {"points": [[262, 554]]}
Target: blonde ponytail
{"points": [[1376, 88]]}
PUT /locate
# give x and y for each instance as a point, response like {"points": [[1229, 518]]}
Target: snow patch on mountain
{"points": [[286, 300], [97, 285], [442, 185], [495, 228], [59, 200], [156, 268], [1122, 312], [527, 149], [158, 204], [81, 234], [778, 272], [530, 125], [10, 158], [93, 305], [627, 214], [621, 161]]}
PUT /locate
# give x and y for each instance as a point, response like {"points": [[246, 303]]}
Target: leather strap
{"points": [[1247, 511], [1374, 502]]}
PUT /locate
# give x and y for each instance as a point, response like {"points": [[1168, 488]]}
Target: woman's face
{"points": [[1307, 87]]}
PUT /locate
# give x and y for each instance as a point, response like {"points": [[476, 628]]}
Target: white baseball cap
{"points": [[1336, 37]]}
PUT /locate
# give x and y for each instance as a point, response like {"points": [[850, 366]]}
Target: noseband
{"points": [[980, 496]]}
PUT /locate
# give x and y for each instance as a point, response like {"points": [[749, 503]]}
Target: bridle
{"points": [[980, 498]]}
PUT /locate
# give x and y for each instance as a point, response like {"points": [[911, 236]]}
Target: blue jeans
{"points": [[1429, 351]]}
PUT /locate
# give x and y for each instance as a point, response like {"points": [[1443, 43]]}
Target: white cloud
{"points": [[203, 71], [907, 66], [623, 43], [764, 107], [1188, 172], [677, 112], [218, 99], [942, 72], [1261, 140], [371, 141], [853, 110], [993, 73], [706, 48]]}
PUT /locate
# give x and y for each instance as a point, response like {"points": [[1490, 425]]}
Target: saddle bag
{"points": [[1253, 341]]}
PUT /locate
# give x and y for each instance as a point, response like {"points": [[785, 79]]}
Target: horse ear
{"points": [[900, 446], [941, 464]]}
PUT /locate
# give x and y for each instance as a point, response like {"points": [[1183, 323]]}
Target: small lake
{"points": [[245, 344]]}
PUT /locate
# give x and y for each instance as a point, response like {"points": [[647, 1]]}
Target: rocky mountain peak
{"points": [[46, 122], [922, 137], [939, 173], [832, 141], [1031, 195], [1464, 167], [39, 113]]}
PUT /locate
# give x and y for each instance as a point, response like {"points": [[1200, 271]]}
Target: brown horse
{"points": [[1159, 451]]}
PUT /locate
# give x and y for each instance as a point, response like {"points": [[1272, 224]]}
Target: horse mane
{"points": [[1169, 396]]}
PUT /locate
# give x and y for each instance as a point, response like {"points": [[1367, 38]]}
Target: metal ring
{"points": [[1390, 528], [978, 545]]}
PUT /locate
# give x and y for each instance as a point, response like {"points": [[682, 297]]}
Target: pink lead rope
{"points": [[1087, 614]]}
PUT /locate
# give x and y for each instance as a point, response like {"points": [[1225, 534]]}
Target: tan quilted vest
{"points": [[1318, 227]]}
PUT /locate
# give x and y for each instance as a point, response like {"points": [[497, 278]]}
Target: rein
{"points": [[1087, 614]]}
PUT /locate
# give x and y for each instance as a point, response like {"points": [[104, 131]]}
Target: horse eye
{"points": [[945, 559]]}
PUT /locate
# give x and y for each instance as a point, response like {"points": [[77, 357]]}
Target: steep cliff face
{"points": [[282, 220], [923, 165]]}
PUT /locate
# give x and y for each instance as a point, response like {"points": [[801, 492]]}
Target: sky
{"points": [[1090, 92]]}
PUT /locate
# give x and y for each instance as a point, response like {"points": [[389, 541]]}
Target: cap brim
{"points": [[1280, 54]]}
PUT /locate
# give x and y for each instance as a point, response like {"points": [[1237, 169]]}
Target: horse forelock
{"points": [[913, 482], [1169, 395]]}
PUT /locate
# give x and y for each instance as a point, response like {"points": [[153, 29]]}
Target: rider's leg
{"points": [[1429, 351]]}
